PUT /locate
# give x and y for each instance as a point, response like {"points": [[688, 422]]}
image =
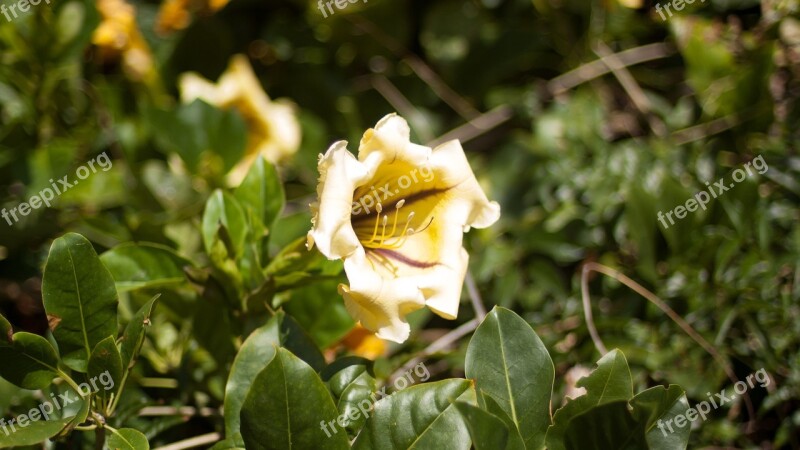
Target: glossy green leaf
{"points": [[320, 311], [351, 383], [509, 361], [609, 382], [6, 332], [286, 407], [127, 439], [487, 431], [105, 364], [642, 423], [262, 192], [227, 444], [133, 337], [34, 433], [136, 266], [80, 299], [28, 361], [421, 416], [656, 409], [222, 209], [604, 427], [254, 355], [492, 406]]}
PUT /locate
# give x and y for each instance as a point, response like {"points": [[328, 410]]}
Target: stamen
{"points": [[396, 213], [383, 233], [375, 231], [390, 240]]}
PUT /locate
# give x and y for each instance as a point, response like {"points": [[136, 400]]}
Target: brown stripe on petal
{"points": [[421, 195], [397, 256]]}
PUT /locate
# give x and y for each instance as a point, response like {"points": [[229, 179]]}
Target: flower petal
{"points": [[380, 304], [340, 173]]}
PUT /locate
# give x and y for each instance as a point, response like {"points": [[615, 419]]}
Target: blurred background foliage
{"points": [[582, 118]]}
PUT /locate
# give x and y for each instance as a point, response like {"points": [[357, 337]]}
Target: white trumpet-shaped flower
{"points": [[396, 216]]}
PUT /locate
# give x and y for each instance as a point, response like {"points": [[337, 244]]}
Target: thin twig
{"points": [[598, 68], [400, 103], [197, 441], [187, 411], [587, 310], [476, 126], [654, 299], [475, 297], [423, 71], [704, 130], [631, 87]]}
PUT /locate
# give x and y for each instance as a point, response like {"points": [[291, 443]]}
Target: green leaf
{"points": [[488, 432], [262, 192], [137, 266], [133, 337], [29, 360], [198, 131], [6, 332], [80, 299], [421, 416], [227, 444], [631, 426], [610, 381], [491, 406], [655, 408], [297, 341], [603, 427], [256, 352], [222, 209], [321, 311], [35, 433], [286, 406], [509, 361], [351, 383], [127, 439], [254, 355], [106, 361]]}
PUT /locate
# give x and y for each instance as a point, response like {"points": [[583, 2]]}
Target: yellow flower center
{"points": [[390, 240]]}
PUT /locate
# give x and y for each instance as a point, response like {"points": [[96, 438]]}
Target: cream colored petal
{"points": [[340, 173], [285, 128], [380, 304], [389, 142], [442, 286], [452, 169], [192, 86]]}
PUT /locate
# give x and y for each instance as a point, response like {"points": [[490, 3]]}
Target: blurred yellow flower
{"points": [[117, 37], [274, 131], [396, 216], [177, 14], [362, 342]]}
